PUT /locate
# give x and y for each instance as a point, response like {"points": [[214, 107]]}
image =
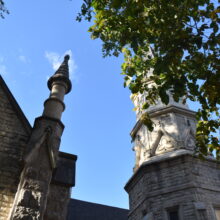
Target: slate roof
{"points": [[81, 210]]}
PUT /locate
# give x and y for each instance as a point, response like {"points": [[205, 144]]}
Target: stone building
{"points": [[35, 177], [170, 182]]}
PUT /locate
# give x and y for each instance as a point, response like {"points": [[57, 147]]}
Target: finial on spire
{"points": [[67, 57], [62, 74]]}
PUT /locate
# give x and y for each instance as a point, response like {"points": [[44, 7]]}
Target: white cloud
{"points": [[3, 69], [23, 59], [56, 59]]}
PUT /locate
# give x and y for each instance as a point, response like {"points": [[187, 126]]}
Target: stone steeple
{"points": [[174, 129], [42, 151], [59, 85]]}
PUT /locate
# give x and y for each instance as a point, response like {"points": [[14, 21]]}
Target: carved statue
{"points": [[139, 151]]}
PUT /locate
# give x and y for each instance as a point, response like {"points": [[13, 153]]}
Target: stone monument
{"points": [[41, 154], [170, 182]]}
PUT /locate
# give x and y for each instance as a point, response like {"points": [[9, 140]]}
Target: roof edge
{"points": [[97, 204], [16, 106]]}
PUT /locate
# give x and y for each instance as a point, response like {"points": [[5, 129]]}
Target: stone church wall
{"points": [[13, 139]]}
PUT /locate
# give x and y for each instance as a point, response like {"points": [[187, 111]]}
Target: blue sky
{"points": [[98, 116]]}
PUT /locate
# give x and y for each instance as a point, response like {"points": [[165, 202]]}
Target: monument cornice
{"points": [[161, 111]]}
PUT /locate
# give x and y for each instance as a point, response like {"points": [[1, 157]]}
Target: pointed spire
{"points": [[62, 74], [64, 68]]}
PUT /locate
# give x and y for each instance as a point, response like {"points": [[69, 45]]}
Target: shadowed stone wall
{"points": [[60, 187], [13, 138], [57, 203]]}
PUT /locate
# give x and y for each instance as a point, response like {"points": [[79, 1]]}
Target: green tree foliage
{"points": [[185, 39], [3, 9]]}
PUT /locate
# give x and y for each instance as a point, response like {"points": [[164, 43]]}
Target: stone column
{"points": [[42, 151]]}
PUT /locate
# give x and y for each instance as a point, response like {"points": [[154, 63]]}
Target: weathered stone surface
{"points": [[36, 176], [60, 187], [57, 203], [28, 158], [174, 129], [179, 181], [168, 179], [42, 152], [14, 133], [26, 214]]}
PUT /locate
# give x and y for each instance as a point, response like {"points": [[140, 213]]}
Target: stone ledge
{"points": [[64, 174], [67, 155], [161, 111], [49, 119], [164, 158]]}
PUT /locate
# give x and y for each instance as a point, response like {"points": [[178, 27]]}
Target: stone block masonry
{"points": [[42, 152], [182, 182], [14, 135], [60, 187]]}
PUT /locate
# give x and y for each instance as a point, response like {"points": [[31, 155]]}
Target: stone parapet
{"points": [[176, 180]]}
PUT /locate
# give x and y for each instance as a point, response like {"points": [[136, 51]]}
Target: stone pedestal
{"points": [[175, 183], [40, 161]]}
